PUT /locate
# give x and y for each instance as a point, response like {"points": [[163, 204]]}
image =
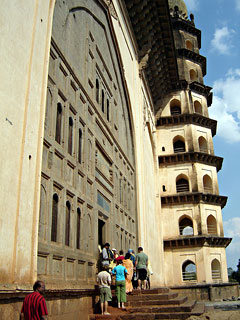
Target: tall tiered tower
{"points": [[194, 242]]}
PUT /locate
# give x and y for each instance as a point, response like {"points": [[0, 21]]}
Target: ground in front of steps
{"points": [[218, 315]]}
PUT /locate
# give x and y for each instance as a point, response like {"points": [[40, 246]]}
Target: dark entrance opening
{"points": [[101, 233]]}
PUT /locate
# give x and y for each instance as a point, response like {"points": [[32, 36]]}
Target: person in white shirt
{"points": [[104, 282]]}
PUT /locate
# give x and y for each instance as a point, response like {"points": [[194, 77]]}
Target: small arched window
{"points": [[175, 107], [216, 270], [58, 123], [70, 135], [207, 184], [182, 184], [97, 90], [198, 107], [78, 226], [193, 75], [108, 110], [185, 227], [189, 271], [48, 113], [80, 145], [42, 213], [89, 155], [203, 147], [178, 144], [103, 102], [54, 218], [67, 223], [189, 45], [211, 225]]}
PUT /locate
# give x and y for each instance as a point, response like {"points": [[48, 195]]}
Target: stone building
{"points": [[106, 137]]}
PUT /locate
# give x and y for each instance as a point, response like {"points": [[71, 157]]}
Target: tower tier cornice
{"points": [[196, 87], [194, 57], [184, 25], [196, 241], [194, 118], [184, 157], [193, 197], [202, 89]]}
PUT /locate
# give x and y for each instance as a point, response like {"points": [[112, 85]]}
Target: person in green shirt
{"points": [[141, 266]]}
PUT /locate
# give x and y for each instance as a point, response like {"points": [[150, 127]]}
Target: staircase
{"points": [[153, 304]]}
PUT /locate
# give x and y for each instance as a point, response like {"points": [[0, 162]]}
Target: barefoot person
{"points": [[141, 265], [104, 281], [120, 272]]}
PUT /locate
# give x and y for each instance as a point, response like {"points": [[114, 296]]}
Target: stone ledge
{"points": [[193, 197], [200, 157], [184, 119], [9, 296]]}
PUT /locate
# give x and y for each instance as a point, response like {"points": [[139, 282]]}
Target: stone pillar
{"points": [[25, 37]]}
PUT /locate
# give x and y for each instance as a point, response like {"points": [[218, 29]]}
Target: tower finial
{"points": [[176, 12], [182, 9], [192, 18]]}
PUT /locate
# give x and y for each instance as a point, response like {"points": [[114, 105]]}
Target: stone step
{"points": [[178, 301], [118, 314], [151, 291], [197, 311], [185, 307], [146, 297], [115, 313]]}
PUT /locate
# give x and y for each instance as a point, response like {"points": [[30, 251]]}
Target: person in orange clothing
{"points": [[127, 263]]}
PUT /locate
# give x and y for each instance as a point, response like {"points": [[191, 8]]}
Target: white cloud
{"points": [[232, 230], [221, 41], [226, 106], [238, 5], [192, 5]]}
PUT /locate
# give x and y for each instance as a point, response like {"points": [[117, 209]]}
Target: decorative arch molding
{"points": [[185, 223], [175, 107], [198, 107], [203, 145], [189, 272], [179, 144], [212, 225], [189, 44], [216, 270], [114, 51], [207, 184], [193, 75], [182, 183]]}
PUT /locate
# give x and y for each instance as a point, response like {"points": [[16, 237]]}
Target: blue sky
{"points": [[219, 21]]}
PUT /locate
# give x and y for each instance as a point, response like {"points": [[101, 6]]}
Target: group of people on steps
{"points": [[121, 271]]}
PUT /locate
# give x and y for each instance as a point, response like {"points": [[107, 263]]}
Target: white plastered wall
{"points": [[23, 68]]}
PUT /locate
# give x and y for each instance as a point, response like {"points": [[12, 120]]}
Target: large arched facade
{"points": [[90, 162], [84, 64]]}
